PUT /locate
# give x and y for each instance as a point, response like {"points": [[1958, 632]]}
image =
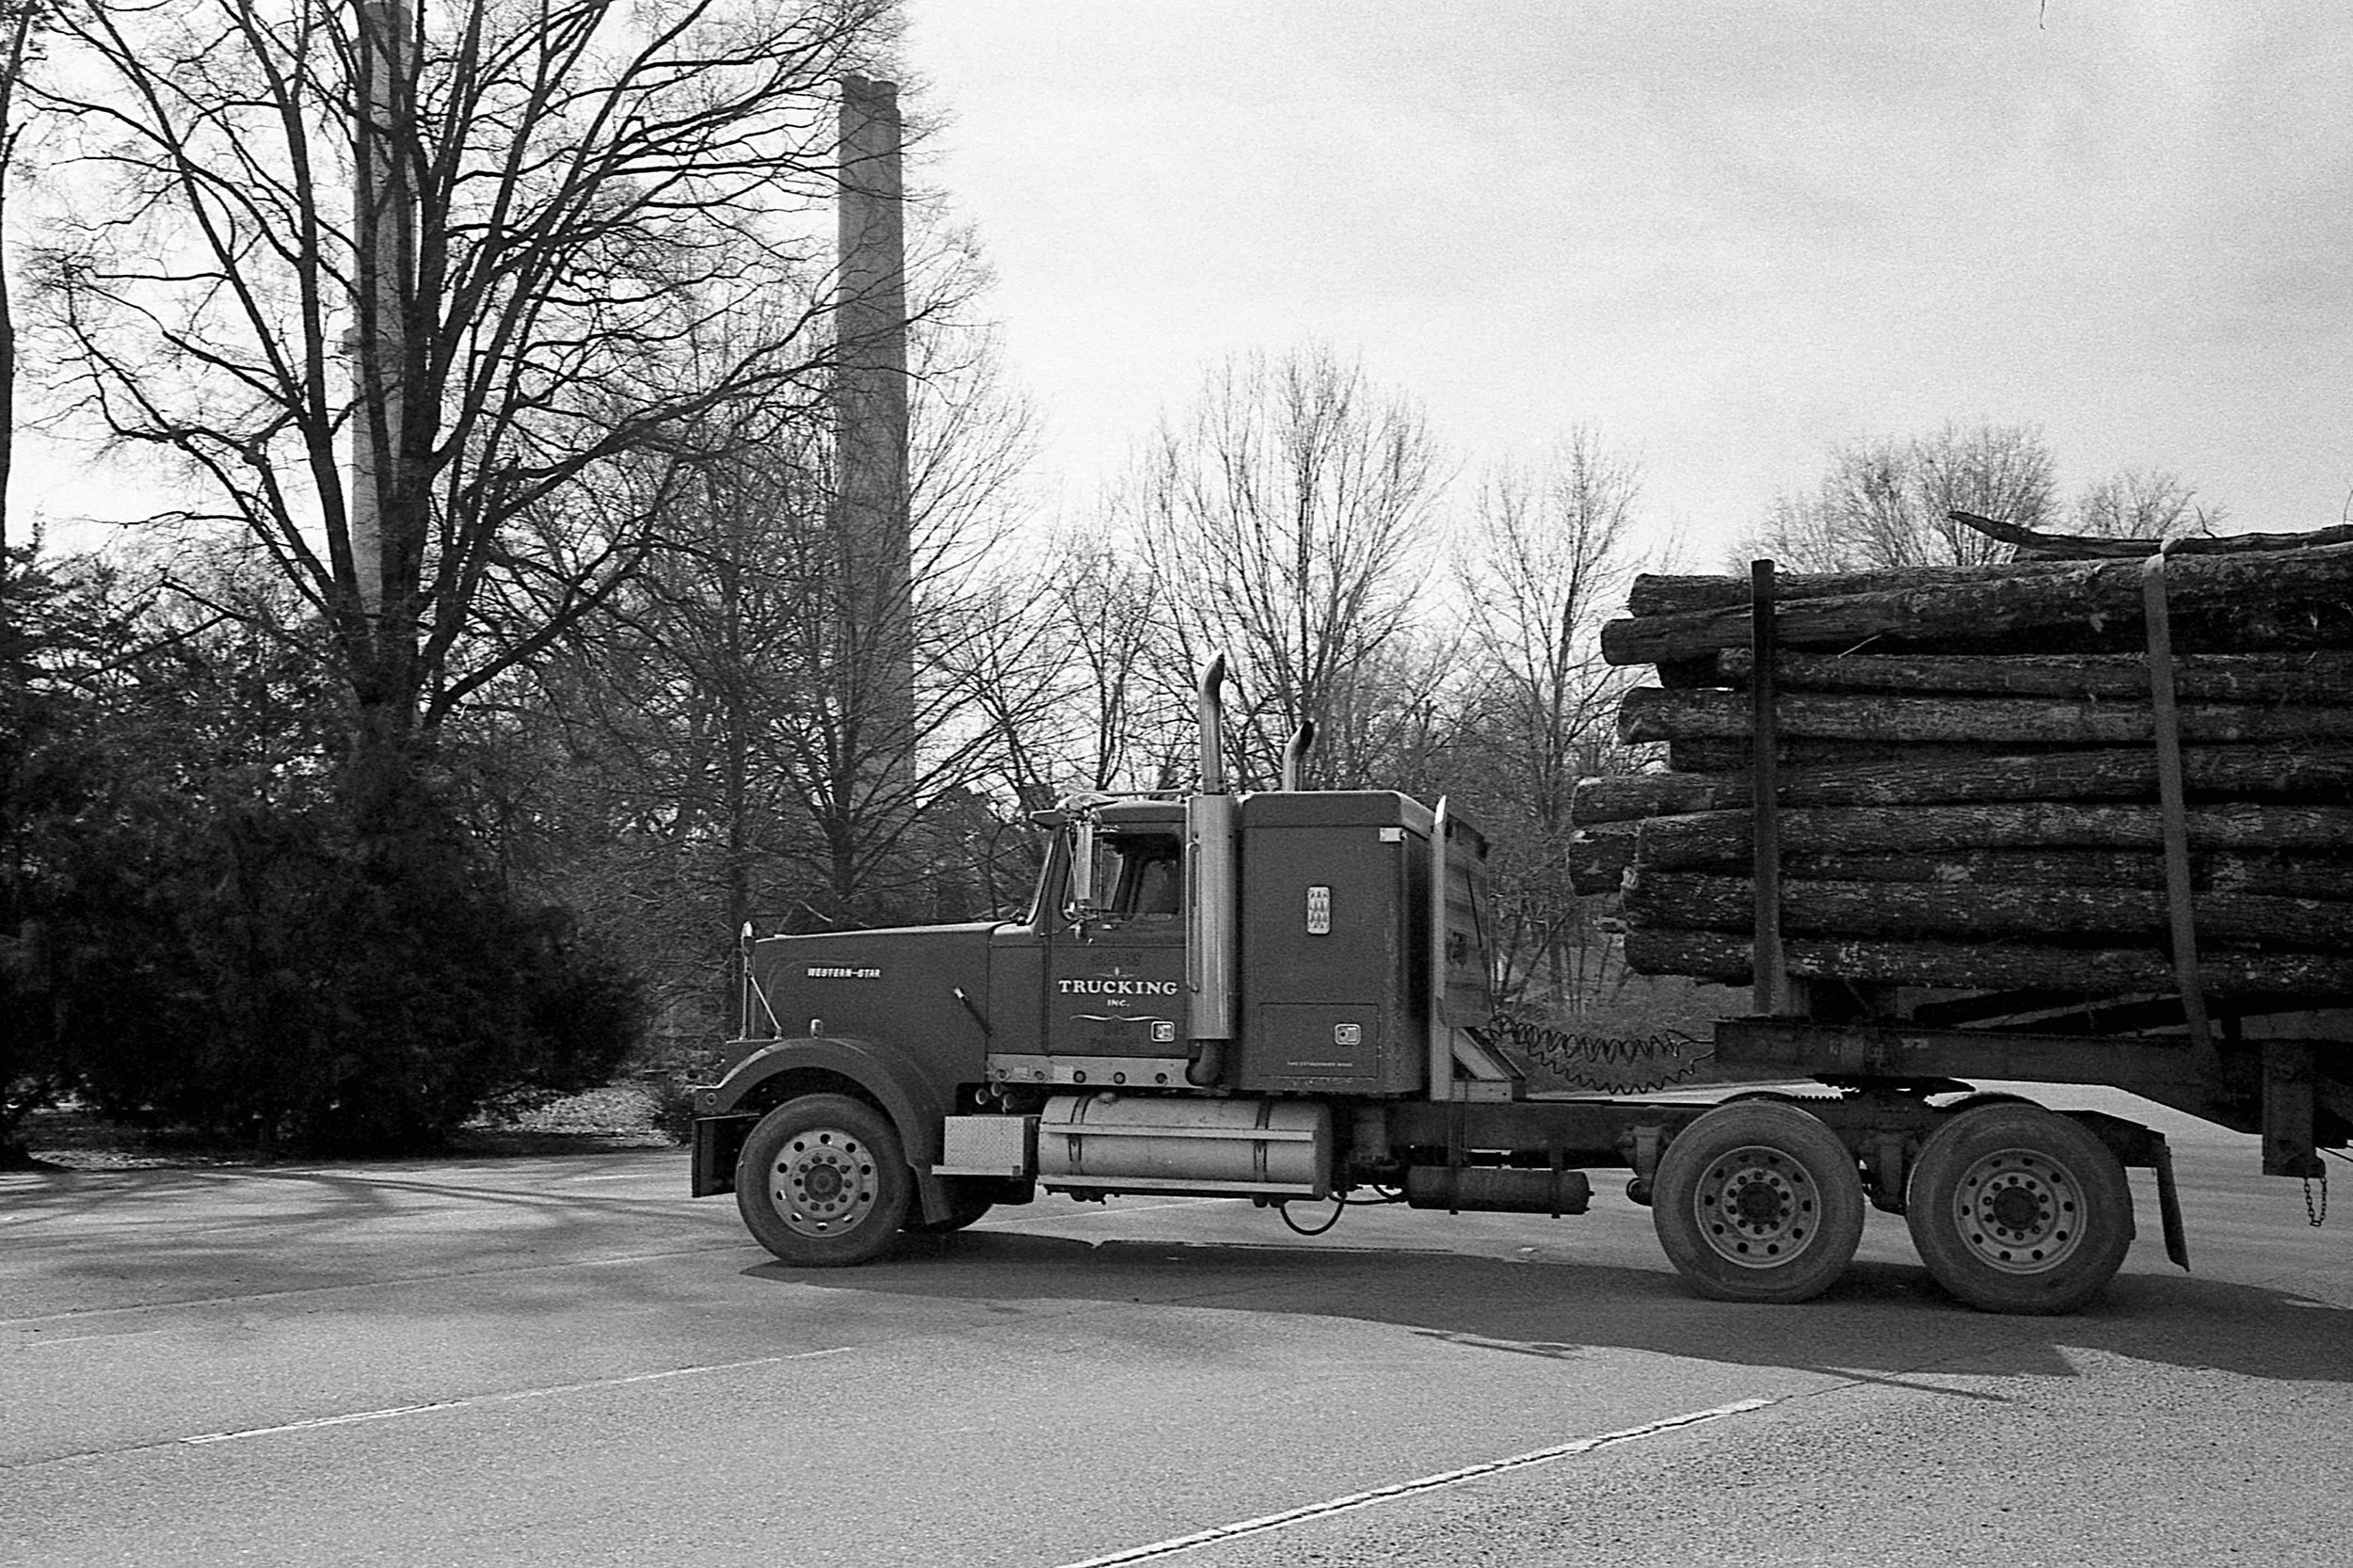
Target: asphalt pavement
{"points": [[565, 1360]]}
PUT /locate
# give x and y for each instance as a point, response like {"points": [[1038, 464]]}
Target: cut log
{"points": [[2216, 872], [2033, 546], [1808, 751], [1649, 713], [1677, 594], [2243, 771], [2006, 912], [1599, 855], [2300, 597], [1681, 593], [2321, 677], [1721, 838], [1723, 957]]}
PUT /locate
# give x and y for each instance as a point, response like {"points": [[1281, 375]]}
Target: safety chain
{"points": [[2316, 1213]]}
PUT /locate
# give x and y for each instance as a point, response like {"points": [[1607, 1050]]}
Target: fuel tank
{"points": [[1161, 1143]]}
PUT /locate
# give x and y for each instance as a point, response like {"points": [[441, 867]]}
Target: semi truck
{"points": [[1283, 996]]}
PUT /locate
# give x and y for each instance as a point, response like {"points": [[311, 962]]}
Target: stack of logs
{"points": [[1967, 772]]}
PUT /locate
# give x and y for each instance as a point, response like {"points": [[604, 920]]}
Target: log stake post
{"points": [[1769, 976], [2181, 913]]}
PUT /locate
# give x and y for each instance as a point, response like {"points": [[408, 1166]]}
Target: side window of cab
{"points": [[1150, 881]]}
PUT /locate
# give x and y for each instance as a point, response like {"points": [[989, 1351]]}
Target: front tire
{"points": [[2016, 1209], [1757, 1201], [823, 1182]]}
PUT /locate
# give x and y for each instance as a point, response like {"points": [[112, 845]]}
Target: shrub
{"points": [[306, 990]]}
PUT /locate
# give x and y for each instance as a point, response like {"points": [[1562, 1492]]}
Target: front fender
{"points": [[823, 1064]]}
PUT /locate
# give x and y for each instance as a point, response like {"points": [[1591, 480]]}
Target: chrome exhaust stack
{"points": [[1209, 719], [1295, 752], [1212, 893]]}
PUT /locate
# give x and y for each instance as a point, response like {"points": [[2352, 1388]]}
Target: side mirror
{"points": [[1082, 867]]}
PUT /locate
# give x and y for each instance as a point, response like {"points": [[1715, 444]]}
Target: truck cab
{"points": [[1193, 970]]}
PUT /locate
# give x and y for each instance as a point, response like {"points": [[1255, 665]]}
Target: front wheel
{"points": [[1757, 1201], [822, 1181], [2016, 1209]]}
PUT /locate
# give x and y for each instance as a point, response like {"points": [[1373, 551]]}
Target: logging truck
{"points": [[1284, 996]]}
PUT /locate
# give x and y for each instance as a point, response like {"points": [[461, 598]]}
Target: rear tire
{"points": [[2016, 1209], [823, 1182], [1758, 1201]]}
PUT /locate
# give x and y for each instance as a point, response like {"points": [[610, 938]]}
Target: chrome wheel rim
{"points": [[2019, 1212], [1756, 1207], [823, 1181]]}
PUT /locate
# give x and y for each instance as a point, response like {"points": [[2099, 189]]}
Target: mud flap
{"points": [[717, 1141], [2169, 1204]]}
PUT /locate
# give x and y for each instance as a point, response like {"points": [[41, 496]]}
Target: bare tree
{"points": [[1069, 691], [1290, 520], [1119, 715], [2140, 503], [1393, 721], [1887, 503], [727, 739], [468, 238], [21, 22], [1550, 558]]}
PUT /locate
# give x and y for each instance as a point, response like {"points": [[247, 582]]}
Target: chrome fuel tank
{"points": [[1160, 1144]]}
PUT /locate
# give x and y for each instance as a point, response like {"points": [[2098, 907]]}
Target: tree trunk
{"points": [[2092, 971], [1996, 912], [18, 47], [386, 793]]}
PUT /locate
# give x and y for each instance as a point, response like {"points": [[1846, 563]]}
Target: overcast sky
{"points": [[1726, 236]]}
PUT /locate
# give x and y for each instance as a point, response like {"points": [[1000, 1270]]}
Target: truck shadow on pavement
{"points": [[509, 1237], [1883, 1320]]}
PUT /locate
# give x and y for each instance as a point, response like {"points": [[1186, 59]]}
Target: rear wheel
{"points": [[1757, 1201], [822, 1181], [2016, 1209]]}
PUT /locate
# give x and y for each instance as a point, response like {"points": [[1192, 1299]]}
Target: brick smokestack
{"points": [[871, 424]]}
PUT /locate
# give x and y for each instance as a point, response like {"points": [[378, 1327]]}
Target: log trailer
{"points": [[1283, 996]]}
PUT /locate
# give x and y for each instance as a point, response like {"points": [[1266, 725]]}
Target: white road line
{"points": [[323, 1421], [477, 1401], [1410, 1488], [47, 1343]]}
